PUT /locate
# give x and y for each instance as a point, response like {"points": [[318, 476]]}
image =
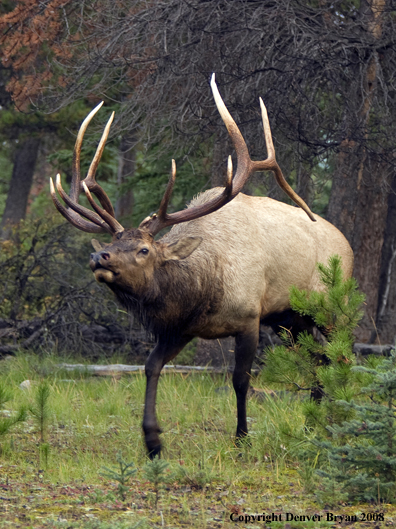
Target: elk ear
{"points": [[97, 245], [181, 248]]}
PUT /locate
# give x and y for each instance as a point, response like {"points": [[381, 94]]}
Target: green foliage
{"points": [[329, 493], [97, 524], [5, 395], [6, 423], [323, 368], [40, 408], [152, 175], [44, 449], [362, 453], [48, 292], [337, 309], [196, 479], [155, 472], [126, 471]]}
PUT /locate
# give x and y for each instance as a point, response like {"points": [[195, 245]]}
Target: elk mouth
{"points": [[102, 275]]}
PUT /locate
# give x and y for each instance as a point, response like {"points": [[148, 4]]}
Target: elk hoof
{"points": [[153, 452], [153, 443], [243, 441]]}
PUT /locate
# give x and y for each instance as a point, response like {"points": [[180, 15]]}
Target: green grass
{"points": [[93, 418]]}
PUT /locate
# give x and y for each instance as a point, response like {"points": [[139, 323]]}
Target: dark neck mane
{"points": [[176, 300]]}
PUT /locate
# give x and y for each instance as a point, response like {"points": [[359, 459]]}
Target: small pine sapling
{"points": [[40, 408], [321, 368], [126, 471], [362, 453], [154, 471]]}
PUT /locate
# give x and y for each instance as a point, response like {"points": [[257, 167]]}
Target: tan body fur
{"points": [[261, 247]]}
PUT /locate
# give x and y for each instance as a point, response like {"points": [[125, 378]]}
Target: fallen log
{"points": [[119, 369], [365, 349], [360, 349]]}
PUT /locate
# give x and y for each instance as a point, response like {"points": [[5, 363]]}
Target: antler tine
{"points": [[81, 210], [71, 216], [272, 164], [111, 221], [229, 175], [267, 131], [168, 192], [75, 185], [90, 178], [244, 161]]}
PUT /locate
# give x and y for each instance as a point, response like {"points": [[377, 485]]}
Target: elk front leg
{"points": [[160, 355], [245, 350]]}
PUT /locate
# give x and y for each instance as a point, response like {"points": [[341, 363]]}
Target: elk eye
{"points": [[144, 251]]}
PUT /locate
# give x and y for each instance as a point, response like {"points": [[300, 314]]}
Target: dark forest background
{"points": [[325, 70]]}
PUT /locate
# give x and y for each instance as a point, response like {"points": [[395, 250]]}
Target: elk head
{"points": [[130, 261], [131, 258]]}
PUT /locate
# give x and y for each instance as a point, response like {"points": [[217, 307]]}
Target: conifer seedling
{"points": [[126, 471]]}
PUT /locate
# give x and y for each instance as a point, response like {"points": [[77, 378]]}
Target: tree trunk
{"points": [[358, 207], [358, 201], [126, 170], [21, 182], [368, 239], [386, 312]]}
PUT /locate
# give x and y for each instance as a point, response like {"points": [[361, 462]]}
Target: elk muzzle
{"points": [[98, 267]]}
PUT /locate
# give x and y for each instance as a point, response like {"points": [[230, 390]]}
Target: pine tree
{"points": [[365, 463], [40, 408], [323, 368], [154, 471], [126, 471]]}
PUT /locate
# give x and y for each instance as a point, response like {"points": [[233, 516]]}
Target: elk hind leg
{"points": [[245, 351]]}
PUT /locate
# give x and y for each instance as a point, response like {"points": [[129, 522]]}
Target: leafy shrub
{"points": [[50, 299]]}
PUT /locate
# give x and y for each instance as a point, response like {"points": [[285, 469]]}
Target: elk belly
{"points": [[104, 276]]}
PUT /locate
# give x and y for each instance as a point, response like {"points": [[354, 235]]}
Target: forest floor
{"points": [[61, 481]]}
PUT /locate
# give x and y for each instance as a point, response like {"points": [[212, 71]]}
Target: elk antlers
{"points": [[245, 168], [102, 219]]}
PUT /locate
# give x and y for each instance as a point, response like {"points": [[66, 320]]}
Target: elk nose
{"points": [[96, 257]]}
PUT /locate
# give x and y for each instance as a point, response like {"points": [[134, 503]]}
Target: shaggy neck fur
{"points": [[177, 299]]}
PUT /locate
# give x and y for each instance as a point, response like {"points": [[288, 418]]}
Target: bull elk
{"points": [[225, 266]]}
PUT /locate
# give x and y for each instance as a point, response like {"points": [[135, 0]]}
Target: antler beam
{"points": [[246, 166]]}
